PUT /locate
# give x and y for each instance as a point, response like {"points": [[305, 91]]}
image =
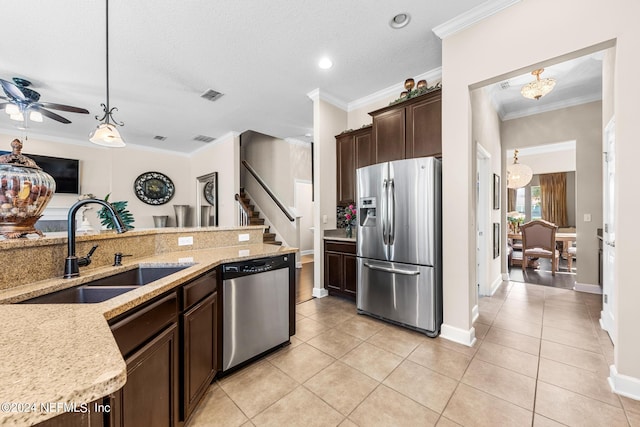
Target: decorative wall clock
{"points": [[154, 188], [210, 191]]}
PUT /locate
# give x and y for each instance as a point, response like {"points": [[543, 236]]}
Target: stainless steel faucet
{"points": [[72, 262]]}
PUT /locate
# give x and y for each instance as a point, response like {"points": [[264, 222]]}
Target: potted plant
{"points": [[122, 211], [350, 215]]}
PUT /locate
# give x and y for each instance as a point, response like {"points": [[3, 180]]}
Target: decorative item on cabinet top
{"points": [[153, 188], [368, 125], [420, 89]]}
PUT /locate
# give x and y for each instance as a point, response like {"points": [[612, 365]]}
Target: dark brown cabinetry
{"points": [[200, 345], [353, 150], [340, 268], [408, 129]]}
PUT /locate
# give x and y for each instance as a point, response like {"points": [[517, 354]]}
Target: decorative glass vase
{"points": [[25, 190], [349, 231]]}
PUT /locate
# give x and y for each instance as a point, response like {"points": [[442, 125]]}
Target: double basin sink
{"points": [[107, 287]]}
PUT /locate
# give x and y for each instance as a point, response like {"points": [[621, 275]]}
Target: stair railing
{"points": [[243, 212], [266, 188]]}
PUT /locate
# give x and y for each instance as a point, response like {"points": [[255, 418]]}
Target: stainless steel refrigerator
{"points": [[399, 240]]}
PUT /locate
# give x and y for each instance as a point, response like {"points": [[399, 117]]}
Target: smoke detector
{"points": [[211, 95], [505, 84], [203, 138]]}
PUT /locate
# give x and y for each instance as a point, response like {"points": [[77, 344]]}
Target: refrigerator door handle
{"points": [[391, 199], [392, 270], [385, 231]]}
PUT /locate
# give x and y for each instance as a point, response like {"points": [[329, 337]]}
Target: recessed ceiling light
{"points": [[325, 63], [400, 20]]}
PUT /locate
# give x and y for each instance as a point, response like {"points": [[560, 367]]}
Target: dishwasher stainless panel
{"points": [[256, 314]]}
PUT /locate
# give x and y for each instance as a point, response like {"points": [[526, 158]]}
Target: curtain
{"points": [[511, 199], [553, 195]]}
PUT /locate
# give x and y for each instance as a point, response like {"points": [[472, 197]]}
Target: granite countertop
{"points": [[339, 234], [65, 353]]}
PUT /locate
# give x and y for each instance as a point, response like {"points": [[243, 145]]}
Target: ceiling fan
{"points": [[21, 99]]}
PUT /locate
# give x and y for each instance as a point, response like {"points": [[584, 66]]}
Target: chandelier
{"points": [[539, 87], [106, 134], [518, 175]]}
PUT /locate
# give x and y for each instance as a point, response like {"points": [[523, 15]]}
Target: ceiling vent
{"points": [[203, 138], [160, 138], [211, 95], [505, 84]]}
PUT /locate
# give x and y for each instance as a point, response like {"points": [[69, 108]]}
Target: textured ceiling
{"points": [[262, 55]]}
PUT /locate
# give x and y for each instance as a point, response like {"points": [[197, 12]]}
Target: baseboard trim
{"points": [[624, 385], [298, 264], [461, 336], [495, 285], [320, 292], [307, 252], [588, 288], [505, 276]]}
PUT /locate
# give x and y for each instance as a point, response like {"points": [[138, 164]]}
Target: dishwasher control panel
{"points": [[254, 266]]}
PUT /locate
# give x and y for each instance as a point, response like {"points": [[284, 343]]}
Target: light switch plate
{"points": [[587, 217], [324, 219], [244, 252], [243, 237], [185, 241]]}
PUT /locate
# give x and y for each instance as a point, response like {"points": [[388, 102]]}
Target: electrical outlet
{"points": [[185, 260], [243, 237], [244, 252], [185, 241]]}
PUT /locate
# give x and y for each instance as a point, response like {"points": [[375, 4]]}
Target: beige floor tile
{"points": [[572, 339], [216, 409], [372, 360], [569, 307], [347, 423], [509, 358], [514, 324], [386, 407], [486, 318], [582, 327], [570, 408], [540, 421], [299, 317], [460, 348], [396, 340], [299, 408], [532, 315], [335, 343], [423, 385], [481, 330], [361, 326], [471, 407], [308, 308], [341, 386], [590, 384], [301, 362], [257, 386], [308, 328], [446, 422], [489, 304], [440, 359], [583, 359], [560, 314], [503, 383], [515, 340], [634, 419], [630, 405], [331, 318]]}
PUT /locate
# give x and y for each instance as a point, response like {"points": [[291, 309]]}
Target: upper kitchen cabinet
{"points": [[353, 150], [408, 129]]}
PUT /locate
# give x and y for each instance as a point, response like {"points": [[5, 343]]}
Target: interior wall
{"points": [[486, 132], [582, 124], [491, 49]]}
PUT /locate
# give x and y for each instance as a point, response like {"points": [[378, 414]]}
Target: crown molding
{"points": [[317, 94], [471, 17], [383, 94], [565, 103]]}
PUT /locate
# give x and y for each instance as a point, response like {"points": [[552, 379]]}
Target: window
{"points": [[536, 210], [520, 201]]}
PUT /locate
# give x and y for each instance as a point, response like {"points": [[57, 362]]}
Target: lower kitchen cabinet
{"points": [[200, 332], [340, 268]]}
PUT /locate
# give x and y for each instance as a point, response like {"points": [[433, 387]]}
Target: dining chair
{"points": [[539, 241], [571, 253]]}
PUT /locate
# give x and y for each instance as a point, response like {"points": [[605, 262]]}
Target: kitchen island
{"points": [[57, 357]]}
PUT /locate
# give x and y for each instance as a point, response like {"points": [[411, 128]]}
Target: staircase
{"points": [[254, 219]]}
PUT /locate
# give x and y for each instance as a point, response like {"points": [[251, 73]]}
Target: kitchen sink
{"points": [[107, 287]]}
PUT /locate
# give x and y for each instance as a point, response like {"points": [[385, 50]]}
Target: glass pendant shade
{"points": [[106, 135], [518, 175], [539, 87]]}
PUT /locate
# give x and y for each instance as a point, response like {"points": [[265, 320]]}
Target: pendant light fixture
{"points": [[106, 134], [538, 88], [518, 175]]}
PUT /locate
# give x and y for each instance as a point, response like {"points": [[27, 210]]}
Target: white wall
{"points": [[556, 161], [492, 49]]}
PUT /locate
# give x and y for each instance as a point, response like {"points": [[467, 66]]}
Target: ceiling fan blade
{"points": [[63, 107], [50, 114], [12, 90]]}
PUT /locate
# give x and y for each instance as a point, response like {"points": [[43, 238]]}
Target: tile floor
{"points": [[540, 360]]}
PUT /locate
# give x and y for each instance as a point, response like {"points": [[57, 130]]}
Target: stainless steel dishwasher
{"points": [[255, 308]]}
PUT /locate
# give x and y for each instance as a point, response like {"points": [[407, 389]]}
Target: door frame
{"points": [[484, 184], [609, 303]]}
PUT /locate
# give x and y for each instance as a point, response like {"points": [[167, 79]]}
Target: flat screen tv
{"points": [[66, 172]]}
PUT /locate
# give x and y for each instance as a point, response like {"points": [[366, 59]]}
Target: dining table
{"points": [[566, 239]]}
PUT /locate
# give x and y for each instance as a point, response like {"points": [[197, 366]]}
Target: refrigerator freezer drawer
{"points": [[402, 293]]}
